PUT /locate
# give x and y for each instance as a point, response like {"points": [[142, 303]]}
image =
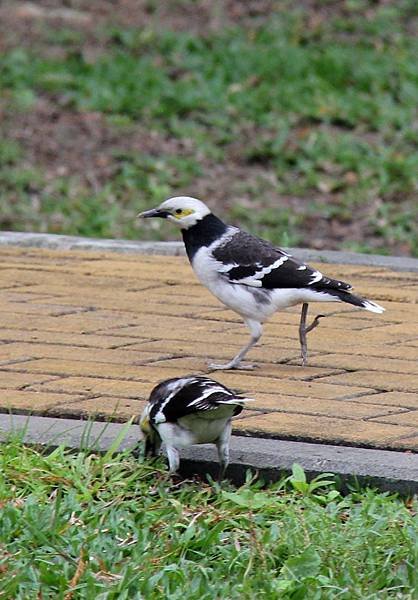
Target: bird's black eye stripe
{"points": [[178, 211]]}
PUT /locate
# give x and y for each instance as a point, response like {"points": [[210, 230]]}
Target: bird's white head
{"points": [[184, 211]]}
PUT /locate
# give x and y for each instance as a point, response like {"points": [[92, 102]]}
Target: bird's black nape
{"points": [[204, 233]]}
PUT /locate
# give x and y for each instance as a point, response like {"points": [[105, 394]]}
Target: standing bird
{"points": [[190, 410], [248, 274]]}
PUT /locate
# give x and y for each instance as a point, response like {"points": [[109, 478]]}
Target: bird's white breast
{"points": [[248, 301]]}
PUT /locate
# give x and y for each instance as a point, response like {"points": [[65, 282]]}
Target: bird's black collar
{"points": [[206, 231]]}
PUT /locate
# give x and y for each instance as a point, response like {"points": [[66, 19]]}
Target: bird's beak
{"points": [[154, 212]]}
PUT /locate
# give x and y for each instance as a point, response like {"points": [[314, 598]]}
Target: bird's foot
{"points": [[314, 323], [231, 365], [246, 367]]}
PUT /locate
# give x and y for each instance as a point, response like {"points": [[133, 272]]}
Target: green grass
{"points": [[67, 205], [329, 108], [114, 527]]}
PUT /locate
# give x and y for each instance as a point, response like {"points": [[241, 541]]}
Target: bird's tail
{"points": [[347, 296]]}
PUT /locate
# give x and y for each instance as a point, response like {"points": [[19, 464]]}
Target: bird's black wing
{"points": [[247, 260], [176, 398]]}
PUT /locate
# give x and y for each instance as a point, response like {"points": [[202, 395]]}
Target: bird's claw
{"points": [[246, 367]]}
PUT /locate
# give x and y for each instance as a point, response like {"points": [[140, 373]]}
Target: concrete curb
{"points": [[270, 459], [70, 242], [66, 242]]}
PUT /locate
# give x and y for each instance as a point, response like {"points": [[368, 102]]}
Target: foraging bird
{"points": [[190, 410], [248, 274]]}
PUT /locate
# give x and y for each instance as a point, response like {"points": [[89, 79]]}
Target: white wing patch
{"points": [[207, 393], [224, 239], [255, 280], [236, 401], [225, 268], [316, 276], [206, 403]]}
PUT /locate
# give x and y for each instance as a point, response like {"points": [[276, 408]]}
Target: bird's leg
{"points": [[222, 445], [235, 362], [256, 330], [303, 330], [173, 459]]}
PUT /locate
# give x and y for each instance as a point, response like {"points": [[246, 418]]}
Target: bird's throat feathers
{"points": [[204, 233]]}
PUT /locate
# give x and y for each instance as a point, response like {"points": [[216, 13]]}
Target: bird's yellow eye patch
{"points": [[145, 425], [179, 213]]}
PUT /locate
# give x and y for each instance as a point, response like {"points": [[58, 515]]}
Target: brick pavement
{"points": [[89, 334]]}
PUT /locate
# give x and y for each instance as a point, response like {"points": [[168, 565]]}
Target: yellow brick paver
{"points": [[99, 407], [90, 333], [91, 386], [79, 340], [380, 380], [352, 363], [392, 399], [26, 351], [18, 381], [28, 401], [326, 407], [316, 428]]}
